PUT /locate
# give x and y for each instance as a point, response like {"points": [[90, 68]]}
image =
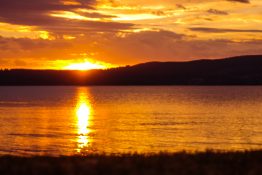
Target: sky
{"points": [[54, 34]]}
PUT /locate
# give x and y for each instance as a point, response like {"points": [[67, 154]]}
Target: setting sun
{"points": [[88, 65]]}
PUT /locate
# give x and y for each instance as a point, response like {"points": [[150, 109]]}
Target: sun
{"points": [[88, 65]]}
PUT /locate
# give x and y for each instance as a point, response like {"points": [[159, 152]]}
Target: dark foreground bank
{"points": [[233, 163]]}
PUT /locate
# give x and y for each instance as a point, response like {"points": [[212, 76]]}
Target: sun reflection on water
{"points": [[84, 114]]}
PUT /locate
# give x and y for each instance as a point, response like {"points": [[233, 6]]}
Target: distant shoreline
{"points": [[145, 85], [242, 70], [246, 162]]}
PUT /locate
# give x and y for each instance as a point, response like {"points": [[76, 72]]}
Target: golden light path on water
{"points": [[84, 113]]}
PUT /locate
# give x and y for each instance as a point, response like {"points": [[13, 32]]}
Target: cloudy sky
{"points": [[44, 34]]}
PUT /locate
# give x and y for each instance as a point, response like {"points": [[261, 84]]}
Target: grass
{"points": [[204, 163]]}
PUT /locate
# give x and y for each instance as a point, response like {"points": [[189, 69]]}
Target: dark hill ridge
{"points": [[242, 70]]}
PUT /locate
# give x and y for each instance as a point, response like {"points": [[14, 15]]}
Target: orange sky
{"points": [[54, 34]]}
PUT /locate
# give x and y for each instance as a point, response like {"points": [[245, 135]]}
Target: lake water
{"points": [[83, 120]]}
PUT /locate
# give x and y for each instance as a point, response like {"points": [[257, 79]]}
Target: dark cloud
{"points": [[180, 6], [21, 7], [37, 13], [159, 13], [220, 30], [217, 12], [95, 15], [84, 27], [241, 1], [25, 44]]}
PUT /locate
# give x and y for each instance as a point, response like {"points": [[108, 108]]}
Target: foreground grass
{"points": [[211, 163]]}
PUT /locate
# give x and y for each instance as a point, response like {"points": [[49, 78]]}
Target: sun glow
{"points": [[88, 65]]}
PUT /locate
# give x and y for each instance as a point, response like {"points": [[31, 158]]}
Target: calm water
{"points": [[82, 120]]}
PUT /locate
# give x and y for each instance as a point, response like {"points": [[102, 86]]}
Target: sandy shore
{"points": [[211, 163]]}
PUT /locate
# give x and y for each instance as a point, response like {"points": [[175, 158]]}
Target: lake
{"points": [[118, 119]]}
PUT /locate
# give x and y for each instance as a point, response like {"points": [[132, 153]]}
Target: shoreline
{"points": [[209, 162]]}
